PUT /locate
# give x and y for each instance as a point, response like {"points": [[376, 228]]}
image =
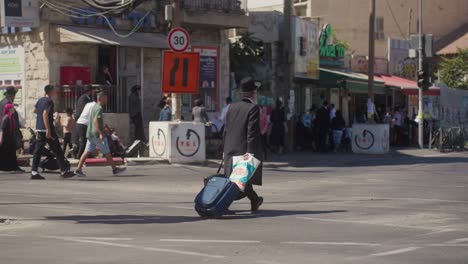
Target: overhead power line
{"points": [[75, 12]]}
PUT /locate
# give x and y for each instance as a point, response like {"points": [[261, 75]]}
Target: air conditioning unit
{"points": [[380, 35]]}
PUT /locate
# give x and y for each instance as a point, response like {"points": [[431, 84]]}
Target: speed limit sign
{"points": [[179, 39]]}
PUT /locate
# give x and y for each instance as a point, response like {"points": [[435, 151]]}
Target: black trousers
{"points": [[137, 121], [54, 146], [251, 194], [67, 141], [82, 129], [322, 139]]}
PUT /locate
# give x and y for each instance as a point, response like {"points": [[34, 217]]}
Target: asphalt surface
{"points": [[396, 208]]}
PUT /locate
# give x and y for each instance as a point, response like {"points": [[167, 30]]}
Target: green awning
{"points": [[355, 82]]}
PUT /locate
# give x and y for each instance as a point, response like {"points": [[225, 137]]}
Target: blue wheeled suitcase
{"points": [[215, 198]]}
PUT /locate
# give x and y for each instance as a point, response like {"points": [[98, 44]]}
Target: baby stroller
{"points": [[50, 162]]}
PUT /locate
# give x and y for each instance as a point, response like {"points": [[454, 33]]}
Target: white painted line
{"points": [[209, 241], [364, 223], [334, 243], [457, 241], [116, 219], [162, 250], [396, 252], [105, 238], [181, 207], [447, 245], [411, 199]]}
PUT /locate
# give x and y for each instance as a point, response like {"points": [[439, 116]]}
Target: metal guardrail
{"points": [[225, 6], [117, 103]]}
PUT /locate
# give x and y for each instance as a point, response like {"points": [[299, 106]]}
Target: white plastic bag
{"points": [[243, 168]]}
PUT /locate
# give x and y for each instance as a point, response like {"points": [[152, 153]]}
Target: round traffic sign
{"points": [[179, 39]]}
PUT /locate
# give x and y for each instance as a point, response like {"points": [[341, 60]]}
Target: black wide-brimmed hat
{"points": [[10, 91], [250, 85]]}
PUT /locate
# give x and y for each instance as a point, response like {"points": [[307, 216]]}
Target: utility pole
{"points": [[288, 51], [410, 21], [176, 97], [420, 67], [289, 64], [371, 49]]}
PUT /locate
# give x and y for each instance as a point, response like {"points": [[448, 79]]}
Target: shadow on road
{"points": [[165, 219]]}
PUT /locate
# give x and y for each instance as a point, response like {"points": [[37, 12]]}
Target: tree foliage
{"points": [[247, 58], [454, 71]]}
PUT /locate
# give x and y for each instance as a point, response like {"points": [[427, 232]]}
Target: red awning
{"points": [[433, 91], [408, 87], [398, 82]]}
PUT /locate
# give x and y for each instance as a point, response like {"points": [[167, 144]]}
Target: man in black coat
{"points": [[242, 135], [84, 99], [322, 123]]}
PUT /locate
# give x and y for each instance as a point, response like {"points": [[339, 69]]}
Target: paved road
{"points": [[326, 209]]}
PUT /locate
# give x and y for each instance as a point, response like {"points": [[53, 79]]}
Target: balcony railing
{"points": [[117, 102], [224, 6]]}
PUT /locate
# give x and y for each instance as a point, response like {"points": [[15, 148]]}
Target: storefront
{"points": [[71, 52]]}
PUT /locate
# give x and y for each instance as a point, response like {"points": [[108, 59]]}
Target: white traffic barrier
{"points": [[178, 142], [371, 138]]}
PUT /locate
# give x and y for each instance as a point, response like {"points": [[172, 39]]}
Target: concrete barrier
{"points": [[371, 138], [178, 142]]}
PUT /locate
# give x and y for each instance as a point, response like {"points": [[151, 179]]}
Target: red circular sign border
{"points": [[170, 37]]}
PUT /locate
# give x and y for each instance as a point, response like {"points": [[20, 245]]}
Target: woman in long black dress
{"points": [[8, 161], [278, 127]]}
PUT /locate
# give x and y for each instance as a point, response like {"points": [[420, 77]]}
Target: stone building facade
{"points": [[62, 40]]}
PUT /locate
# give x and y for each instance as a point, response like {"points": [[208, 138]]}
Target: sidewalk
{"points": [[308, 158]]}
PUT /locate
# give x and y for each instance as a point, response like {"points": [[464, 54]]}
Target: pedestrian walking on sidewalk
{"points": [[134, 104], [82, 125], [166, 112], [47, 135], [68, 125], [323, 125], [278, 127], [96, 138], [242, 135], [8, 160]]}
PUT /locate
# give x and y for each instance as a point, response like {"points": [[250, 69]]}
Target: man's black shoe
{"points": [[67, 174], [37, 177], [257, 204]]}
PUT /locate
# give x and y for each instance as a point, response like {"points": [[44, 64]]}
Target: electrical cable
{"points": [[63, 10]]}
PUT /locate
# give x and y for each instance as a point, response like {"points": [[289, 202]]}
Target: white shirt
{"points": [[84, 117], [332, 113], [397, 117]]}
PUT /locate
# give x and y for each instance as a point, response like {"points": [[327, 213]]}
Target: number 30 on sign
{"points": [[181, 72], [179, 39]]}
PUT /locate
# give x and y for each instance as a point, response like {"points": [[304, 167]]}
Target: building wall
{"points": [[151, 92], [36, 71], [350, 19]]}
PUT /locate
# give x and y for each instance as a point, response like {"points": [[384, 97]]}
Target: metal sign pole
{"points": [[420, 67]]}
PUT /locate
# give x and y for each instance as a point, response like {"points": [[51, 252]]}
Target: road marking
{"points": [[105, 238], [162, 250], [334, 243], [117, 219], [457, 241], [181, 207], [395, 252], [411, 199], [209, 241], [447, 245], [364, 223]]}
